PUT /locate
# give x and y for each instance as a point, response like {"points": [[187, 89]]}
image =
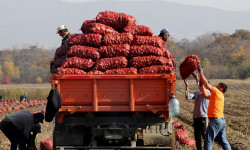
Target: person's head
{"points": [[222, 87], [164, 34], [62, 30], [36, 128], [38, 117]]}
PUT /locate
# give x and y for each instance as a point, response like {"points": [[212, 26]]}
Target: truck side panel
{"points": [[76, 92], [91, 93]]}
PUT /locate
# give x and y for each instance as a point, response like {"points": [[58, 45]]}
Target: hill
{"points": [[30, 22], [222, 55]]}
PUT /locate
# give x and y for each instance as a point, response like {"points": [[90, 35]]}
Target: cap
{"points": [[40, 116], [61, 27], [36, 128], [165, 31]]}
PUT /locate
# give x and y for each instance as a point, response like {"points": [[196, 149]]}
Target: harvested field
{"points": [[47, 129], [236, 110], [237, 106], [25, 86]]}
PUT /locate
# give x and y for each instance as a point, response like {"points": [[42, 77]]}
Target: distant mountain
{"points": [[35, 21]]}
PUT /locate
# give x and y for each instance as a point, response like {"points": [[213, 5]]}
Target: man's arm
{"points": [[204, 92], [31, 142], [188, 96], [204, 80], [195, 75]]}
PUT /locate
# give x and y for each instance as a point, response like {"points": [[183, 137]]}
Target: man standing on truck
{"points": [[164, 34], [17, 127], [200, 111], [217, 125], [63, 32]]}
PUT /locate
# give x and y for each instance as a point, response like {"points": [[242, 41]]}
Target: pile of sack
{"points": [[182, 136], [113, 44]]}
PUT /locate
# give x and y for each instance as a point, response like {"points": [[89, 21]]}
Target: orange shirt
{"points": [[216, 104]]}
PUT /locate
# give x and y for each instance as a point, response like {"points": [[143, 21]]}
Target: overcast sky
{"points": [[234, 5], [26, 22]]}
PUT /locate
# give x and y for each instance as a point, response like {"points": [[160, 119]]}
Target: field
{"points": [[237, 106], [236, 110]]}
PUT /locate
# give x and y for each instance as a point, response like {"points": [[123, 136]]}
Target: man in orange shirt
{"points": [[217, 125]]}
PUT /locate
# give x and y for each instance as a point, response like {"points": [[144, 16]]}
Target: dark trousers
{"points": [[14, 134], [200, 127]]}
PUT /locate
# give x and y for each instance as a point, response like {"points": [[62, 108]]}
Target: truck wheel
{"points": [[173, 139]]}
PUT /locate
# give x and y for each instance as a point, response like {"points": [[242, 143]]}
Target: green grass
{"points": [[34, 91]]}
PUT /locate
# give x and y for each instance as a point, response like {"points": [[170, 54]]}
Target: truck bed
{"points": [[114, 93]]}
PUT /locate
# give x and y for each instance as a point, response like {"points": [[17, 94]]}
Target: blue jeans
{"points": [[216, 129]]}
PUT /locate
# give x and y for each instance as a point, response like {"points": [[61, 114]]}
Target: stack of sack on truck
{"points": [[113, 44]]}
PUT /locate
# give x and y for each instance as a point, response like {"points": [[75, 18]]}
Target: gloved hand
{"points": [[200, 83], [200, 69]]}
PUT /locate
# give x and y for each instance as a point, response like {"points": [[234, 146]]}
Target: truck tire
{"points": [[173, 139]]}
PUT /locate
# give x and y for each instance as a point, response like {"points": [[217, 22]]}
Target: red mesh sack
{"points": [[166, 53], [15, 108], [70, 37], [144, 50], [117, 38], [98, 28], [146, 61], [156, 69], [116, 20], [111, 63], [181, 136], [86, 25], [62, 70], [129, 29], [182, 127], [88, 39], [59, 61], [131, 25], [143, 31], [191, 143], [79, 63], [96, 72], [114, 50], [84, 52], [122, 71], [188, 66], [46, 145], [61, 51], [148, 40]]}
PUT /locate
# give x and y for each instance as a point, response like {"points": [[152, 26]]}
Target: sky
{"points": [[233, 5], [37, 20]]}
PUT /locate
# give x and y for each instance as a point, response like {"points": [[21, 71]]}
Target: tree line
{"points": [[222, 56]]}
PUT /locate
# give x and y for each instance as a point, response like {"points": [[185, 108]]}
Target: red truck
{"points": [[114, 111]]}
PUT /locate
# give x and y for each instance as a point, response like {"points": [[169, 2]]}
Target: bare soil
{"points": [[236, 111]]}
